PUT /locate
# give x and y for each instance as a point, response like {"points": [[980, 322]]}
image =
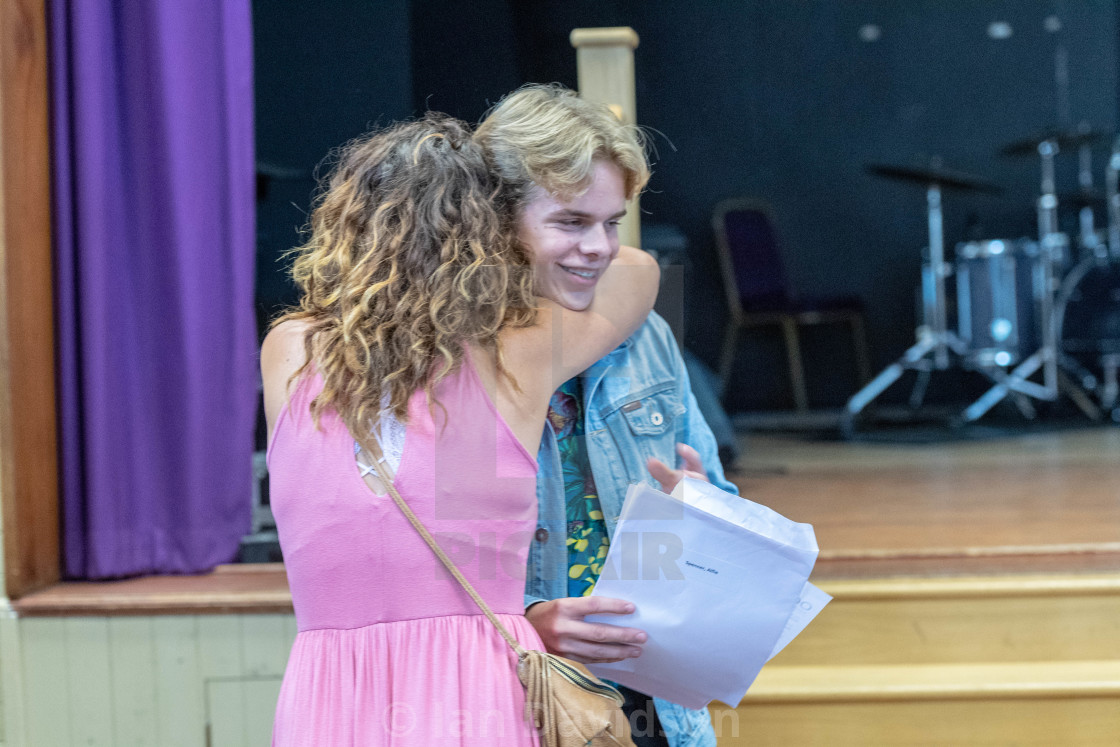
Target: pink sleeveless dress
{"points": [[390, 650]]}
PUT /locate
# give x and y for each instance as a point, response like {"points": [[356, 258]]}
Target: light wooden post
{"points": [[605, 65]]}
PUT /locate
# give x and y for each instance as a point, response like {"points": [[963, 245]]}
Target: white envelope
{"points": [[716, 580]]}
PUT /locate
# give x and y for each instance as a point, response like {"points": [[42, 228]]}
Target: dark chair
{"points": [[759, 294]]}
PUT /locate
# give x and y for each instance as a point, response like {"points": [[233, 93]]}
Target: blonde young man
{"points": [[571, 166]]}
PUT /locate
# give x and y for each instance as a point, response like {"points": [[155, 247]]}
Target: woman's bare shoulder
{"points": [[284, 350], [283, 353]]}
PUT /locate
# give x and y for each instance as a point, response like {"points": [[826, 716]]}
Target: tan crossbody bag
{"points": [[569, 706]]}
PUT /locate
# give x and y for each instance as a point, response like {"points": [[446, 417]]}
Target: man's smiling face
{"points": [[573, 242]]}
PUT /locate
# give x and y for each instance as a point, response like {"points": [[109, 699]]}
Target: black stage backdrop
{"points": [[782, 101]]}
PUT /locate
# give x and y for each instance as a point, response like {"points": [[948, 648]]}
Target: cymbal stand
{"points": [[1088, 238], [935, 341], [1112, 186], [1052, 245]]}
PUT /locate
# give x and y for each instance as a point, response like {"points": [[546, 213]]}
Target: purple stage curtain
{"points": [[152, 134]]}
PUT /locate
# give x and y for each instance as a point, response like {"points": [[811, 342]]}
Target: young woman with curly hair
{"points": [[420, 341]]}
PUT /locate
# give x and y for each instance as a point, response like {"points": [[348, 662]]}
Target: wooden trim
{"points": [[28, 438], [609, 36], [1084, 548], [898, 682], [985, 587], [260, 588], [852, 569]]}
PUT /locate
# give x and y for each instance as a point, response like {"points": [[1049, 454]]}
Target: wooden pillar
{"points": [[28, 439], [605, 65]]}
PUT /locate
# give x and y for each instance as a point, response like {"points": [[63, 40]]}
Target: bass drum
{"points": [[1089, 310]]}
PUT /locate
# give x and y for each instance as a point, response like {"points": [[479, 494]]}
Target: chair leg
{"points": [[863, 354], [796, 367], [727, 356]]}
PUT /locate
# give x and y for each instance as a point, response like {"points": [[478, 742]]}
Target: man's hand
{"points": [[691, 467], [560, 625]]}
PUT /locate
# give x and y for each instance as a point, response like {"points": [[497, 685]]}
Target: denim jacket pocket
{"points": [[654, 413]]}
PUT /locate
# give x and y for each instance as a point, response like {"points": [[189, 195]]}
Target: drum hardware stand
{"points": [[1107, 388], [935, 341], [1110, 390], [1112, 187], [1053, 244], [1089, 238]]}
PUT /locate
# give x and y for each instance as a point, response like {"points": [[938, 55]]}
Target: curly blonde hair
{"points": [[411, 256]]}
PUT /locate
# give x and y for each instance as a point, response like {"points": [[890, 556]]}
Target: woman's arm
{"points": [[282, 354], [564, 342]]}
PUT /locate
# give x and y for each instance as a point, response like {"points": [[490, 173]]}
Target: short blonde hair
{"points": [[547, 136]]}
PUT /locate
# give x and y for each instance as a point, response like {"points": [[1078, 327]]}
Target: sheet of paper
{"points": [[715, 585], [811, 602]]}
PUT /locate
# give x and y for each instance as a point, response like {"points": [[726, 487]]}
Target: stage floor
{"points": [[1037, 503]]}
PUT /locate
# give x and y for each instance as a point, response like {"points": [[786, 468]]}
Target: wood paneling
{"points": [[153, 681], [240, 711], [178, 675], [46, 682], [90, 666], [11, 682], [133, 709], [28, 460]]}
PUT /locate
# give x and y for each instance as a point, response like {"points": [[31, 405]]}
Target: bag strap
{"points": [[444, 559]]}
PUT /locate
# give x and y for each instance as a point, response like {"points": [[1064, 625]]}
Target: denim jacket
{"points": [[637, 404]]}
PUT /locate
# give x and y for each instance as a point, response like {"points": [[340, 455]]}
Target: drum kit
{"points": [[1036, 317]]}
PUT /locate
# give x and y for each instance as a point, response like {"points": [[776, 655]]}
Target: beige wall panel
{"points": [[1047, 723], [138, 681], [90, 677], [241, 711], [290, 627], [133, 681], [179, 700], [45, 674], [266, 645], [11, 681], [219, 646], [225, 714], [960, 630], [132, 648], [260, 708]]}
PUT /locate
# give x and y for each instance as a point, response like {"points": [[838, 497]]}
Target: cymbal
{"points": [[1063, 137], [939, 175]]}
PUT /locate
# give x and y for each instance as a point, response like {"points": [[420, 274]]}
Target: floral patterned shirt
{"points": [[587, 532]]}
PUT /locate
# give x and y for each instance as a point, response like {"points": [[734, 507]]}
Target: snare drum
{"points": [[996, 318]]}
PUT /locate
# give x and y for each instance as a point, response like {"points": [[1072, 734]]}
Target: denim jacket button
{"points": [[541, 534], [656, 418]]}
